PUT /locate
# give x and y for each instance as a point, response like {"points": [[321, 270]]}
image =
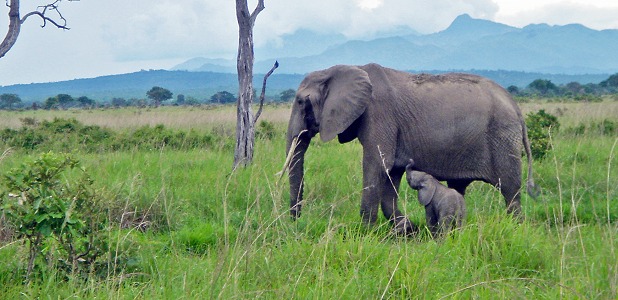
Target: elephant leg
{"points": [[509, 181], [432, 219], [371, 189], [390, 209], [460, 185], [510, 189]]}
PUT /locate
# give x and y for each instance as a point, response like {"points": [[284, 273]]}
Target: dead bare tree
{"points": [[15, 21], [245, 121]]}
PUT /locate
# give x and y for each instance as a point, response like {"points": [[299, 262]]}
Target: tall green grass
{"points": [[191, 227]]}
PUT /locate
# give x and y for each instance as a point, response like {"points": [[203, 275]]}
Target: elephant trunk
{"points": [[297, 146]]}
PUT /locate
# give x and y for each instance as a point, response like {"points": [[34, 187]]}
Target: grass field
{"points": [[189, 227]]}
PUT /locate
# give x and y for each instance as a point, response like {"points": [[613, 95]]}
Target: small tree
{"points": [[119, 102], [180, 99], [543, 86], [574, 88], [158, 94], [287, 95], [223, 97], [50, 103], [8, 100], [65, 100], [15, 21], [45, 209], [85, 102]]}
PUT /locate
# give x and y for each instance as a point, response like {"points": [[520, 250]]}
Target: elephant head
{"points": [[423, 182], [328, 102]]}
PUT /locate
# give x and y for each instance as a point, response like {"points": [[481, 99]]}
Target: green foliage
{"points": [[71, 135], [540, 125], [86, 102], [61, 221], [612, 81], [9, 100], [223, 97], [287, 95], [158, 94], [50, 103], [266, 130], [543, 86]]}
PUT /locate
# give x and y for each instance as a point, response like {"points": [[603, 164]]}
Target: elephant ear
{"points": [[426, 193], [346, 94]]}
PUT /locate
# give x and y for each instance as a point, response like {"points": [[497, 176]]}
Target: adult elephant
{"points": [[456, 127]]}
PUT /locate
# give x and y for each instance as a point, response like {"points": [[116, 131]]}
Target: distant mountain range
{"points": [[508, 55], [200, 85], [466, 44]]}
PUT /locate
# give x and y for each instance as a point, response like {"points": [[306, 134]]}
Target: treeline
{"points": [[155, 97], [591, 92]]}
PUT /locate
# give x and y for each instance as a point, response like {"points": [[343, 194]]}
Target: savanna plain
{"points": [[179, 223]]}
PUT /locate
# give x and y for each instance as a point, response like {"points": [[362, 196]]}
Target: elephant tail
{"points": [[532, 189]]}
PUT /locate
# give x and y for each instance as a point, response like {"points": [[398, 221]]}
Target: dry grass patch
{"points": [[202, 117]]}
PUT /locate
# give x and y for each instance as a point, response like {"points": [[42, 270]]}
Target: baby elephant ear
{"points": [[346, 95], [426, 193]]}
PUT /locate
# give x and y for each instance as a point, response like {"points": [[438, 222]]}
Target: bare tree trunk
{"points": [[14, 28], [245, 131]]}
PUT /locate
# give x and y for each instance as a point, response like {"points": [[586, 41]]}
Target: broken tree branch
{"points": [[15, 21], [259, 112], [42, 12]]}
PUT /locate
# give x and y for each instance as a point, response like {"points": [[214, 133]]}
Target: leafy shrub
{"points": [[61, 222], [540, 124], [70, 134], [266, 130]]}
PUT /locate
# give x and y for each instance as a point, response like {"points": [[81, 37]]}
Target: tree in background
{"points": [[84, 101], [65, 101], [15, 21], [8, 100], [223, 97], [158, 94], [180, 99], [119, 102], [50, 103], [543, 86], [287, 95], [612, 81]]}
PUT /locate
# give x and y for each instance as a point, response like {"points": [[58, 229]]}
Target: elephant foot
{"points": [[295, 212], [404, 227], [514, 209]]}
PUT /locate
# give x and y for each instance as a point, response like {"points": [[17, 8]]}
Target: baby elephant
{"points": [[444, 207]]}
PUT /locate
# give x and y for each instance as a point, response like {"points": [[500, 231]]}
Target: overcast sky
{"points": [[120, 36]]}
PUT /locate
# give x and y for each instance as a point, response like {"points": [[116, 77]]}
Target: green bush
{"points": [[61, 221], [266, 130], [540, 125], [71, 135]]}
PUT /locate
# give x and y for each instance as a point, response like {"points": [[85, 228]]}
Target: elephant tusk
{"points": [[288, 158]]}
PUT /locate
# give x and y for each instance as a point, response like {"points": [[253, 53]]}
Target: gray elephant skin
{"points": [[445, 208], [457, 127]]}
